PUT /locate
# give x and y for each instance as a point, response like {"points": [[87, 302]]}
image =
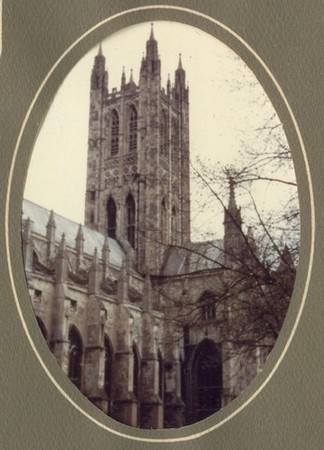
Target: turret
{"points": [[123, 78], [50, 236], [94, 274], [61, 262], [79, 246], [151, 64], [180, 91], [97, 140], [99, 75], [233, 235]]}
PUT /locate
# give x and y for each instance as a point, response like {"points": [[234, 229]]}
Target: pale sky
{"points": [[226, 105]]}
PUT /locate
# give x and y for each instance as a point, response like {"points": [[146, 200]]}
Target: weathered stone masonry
{"points": [[110, 296]]}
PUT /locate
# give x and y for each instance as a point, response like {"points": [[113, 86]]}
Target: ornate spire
{"points": [[152, 32], [93, 274], [152, 47], [233, 219], [95, 259], [50, 235], [232, 202], [105, 253], [123, 77], [79, 235], [99, 75], [62, 246], [180, 80], [180, 63], [79, 245], [61, 263], [168, 85], [131, 80], [51, 220]]}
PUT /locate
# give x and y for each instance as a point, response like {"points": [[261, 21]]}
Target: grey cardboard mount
{"points": [[288, 37]]}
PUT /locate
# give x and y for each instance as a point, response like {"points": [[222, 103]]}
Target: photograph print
{"points": [[160, 227]]}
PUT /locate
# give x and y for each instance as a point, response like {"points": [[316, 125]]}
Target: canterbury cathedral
{"points": [[154, 329]]}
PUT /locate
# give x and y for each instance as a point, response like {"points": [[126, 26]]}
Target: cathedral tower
{"points": [[138, 159]]}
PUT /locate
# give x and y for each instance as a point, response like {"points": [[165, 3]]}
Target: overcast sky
{"points": [[224, 107]]}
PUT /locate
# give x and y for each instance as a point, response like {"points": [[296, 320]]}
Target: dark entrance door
{"points": [[206, 381]]}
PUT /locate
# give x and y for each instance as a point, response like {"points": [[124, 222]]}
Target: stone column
{"points": [[173, 403], [94, 359], [125, 403], [59, 339], [151, 403]]}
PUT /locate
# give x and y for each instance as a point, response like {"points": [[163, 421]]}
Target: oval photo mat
{"points": [[29, 137]]}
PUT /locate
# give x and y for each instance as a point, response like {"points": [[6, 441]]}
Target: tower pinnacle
{"points": [[232, 202], [180, 62], [152, 48], [152, 32], [99, 75]]}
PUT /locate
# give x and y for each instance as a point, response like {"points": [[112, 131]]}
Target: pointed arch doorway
{"points": [[205, 381]]}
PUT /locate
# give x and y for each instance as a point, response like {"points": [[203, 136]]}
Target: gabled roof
{"points": [[193, 257], [92, 239]]}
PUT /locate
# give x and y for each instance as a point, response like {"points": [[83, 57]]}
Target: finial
{"points": [[180, 62], [51, 220], [131, 76], [95, 259], [152, 32], [123, 77], [62, 246], [106, 244], [100, 50], [79, 235]]}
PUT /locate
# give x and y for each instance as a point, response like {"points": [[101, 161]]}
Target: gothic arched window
{"points": [[130, 219], [207, 303], [174, 225], [174, 140], [164, 222], [114, 133], [136, 366], [75, 357], [108, 367], [206, 381], [111, 218], [163, 133], [161, 376], [132, 129]]}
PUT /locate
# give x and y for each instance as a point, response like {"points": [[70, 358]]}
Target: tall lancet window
{"points": [[111, 218], [132, 129], [130, 219], [75, 357], [136, 368], [114, 133], [164, 222], [163, 133], [174, 225], [108, 367], [174, 140]]}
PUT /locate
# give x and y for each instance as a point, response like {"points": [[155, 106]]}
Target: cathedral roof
{"points": [[92, 239], [193, 257]]}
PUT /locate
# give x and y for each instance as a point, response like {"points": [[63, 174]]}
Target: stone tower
{"points": [[138, 159]]}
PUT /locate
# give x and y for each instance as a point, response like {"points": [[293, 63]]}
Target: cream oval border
{"points": [[312, 219]]}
